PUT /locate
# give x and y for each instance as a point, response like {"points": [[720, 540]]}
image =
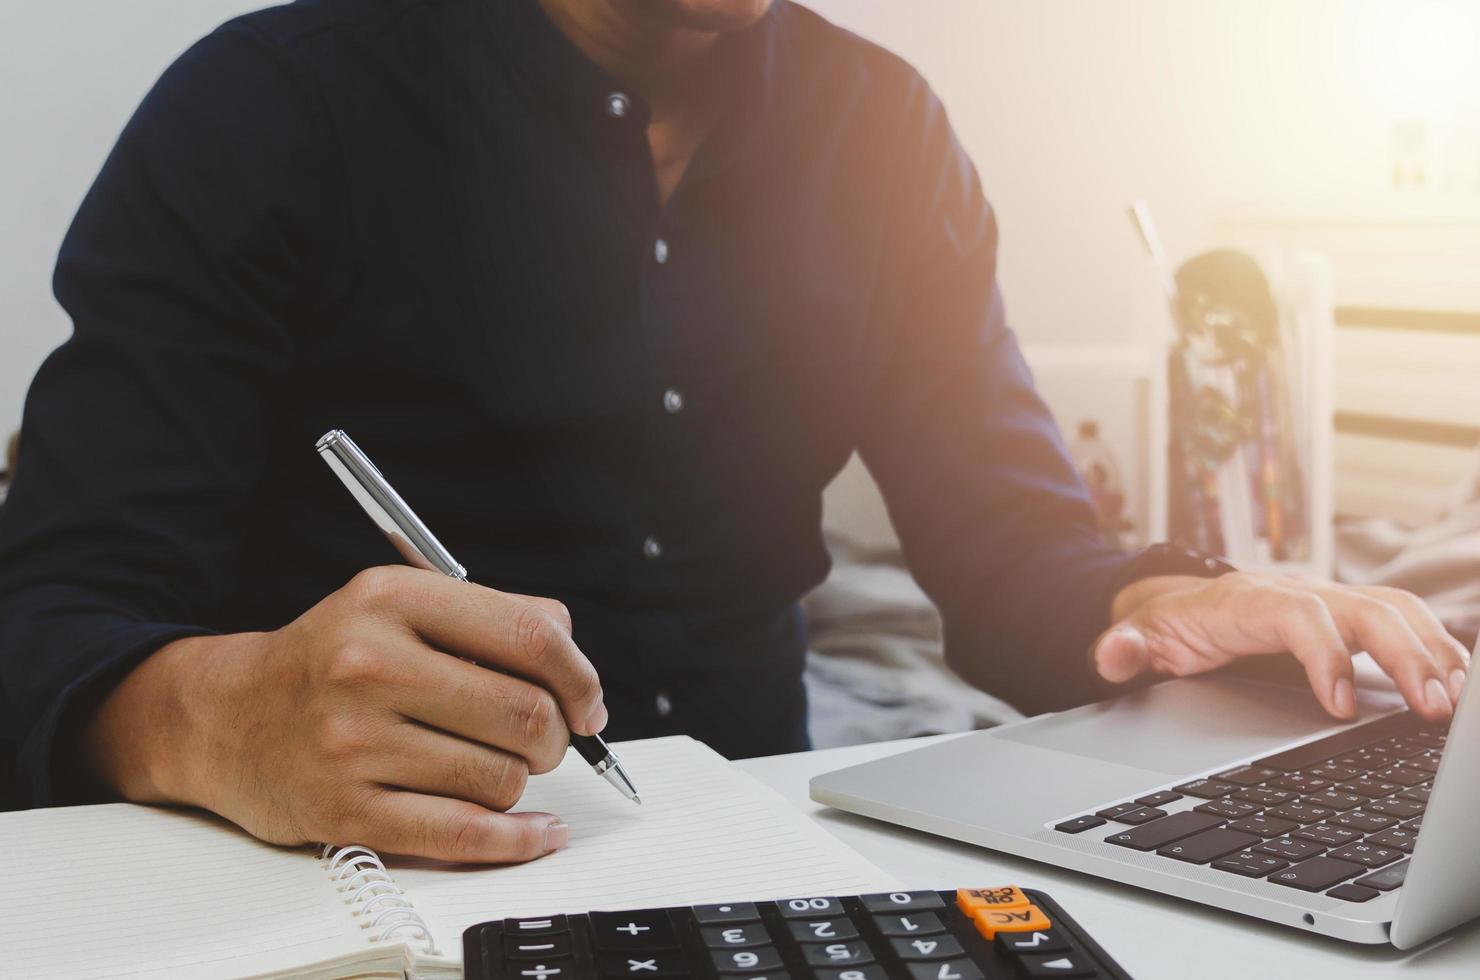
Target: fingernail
{"points": [[1344, 696], [597, 720], [1434, 696], [557, 835], [1456, 684]]}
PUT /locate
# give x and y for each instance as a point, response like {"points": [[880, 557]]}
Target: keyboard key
{"points": [[1150, 836], [1351, 892], [1290, 849], [1361, 820], [1300, 812], [551, 947], [989, 922], [1062, 965], [902, 901], [1336, 800], [1264, 826], [713, 915], [1370, 788], [809, 908], [1333, 772], [1207, 789], [536, 927], [1367, 855], [912, 924], [740, 934], [971, 899], [1418, 794], [1403, 776], [1399, 837], [1317, 874], [1415, 825], [1038, 941], [648, 929], [1118, 810], [949, 970], [1208, 845], [746, 960], [1387, 879], [927, 948], [1249, 864], [1299, 782], [644, 964], [837, 954], [851, 973], [1161, 798], [1428, 762], [1327, 834], [1264, 796], [1144, 815], [1402, 809], [1367, 758], [1323, 749], [1232, 809], [1078, 824], [1248, 775], [822, 930]]}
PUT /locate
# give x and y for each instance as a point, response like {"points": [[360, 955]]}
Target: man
{"points": [[610, 289]]}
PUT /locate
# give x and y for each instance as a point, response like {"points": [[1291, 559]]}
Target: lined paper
{"points": [[706, 832]]}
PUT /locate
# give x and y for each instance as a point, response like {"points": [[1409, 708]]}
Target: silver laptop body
{"points": [[1006, 788]]}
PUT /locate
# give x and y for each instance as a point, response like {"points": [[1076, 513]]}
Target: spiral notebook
{"points": [[130, 891]]}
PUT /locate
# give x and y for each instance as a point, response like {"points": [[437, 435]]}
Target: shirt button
{"points": [[660, 251], [673, 401], [663, 705], [617, 105], [652, 548]]}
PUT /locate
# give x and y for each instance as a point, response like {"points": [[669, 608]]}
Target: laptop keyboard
{"points": [[1339, 815]]}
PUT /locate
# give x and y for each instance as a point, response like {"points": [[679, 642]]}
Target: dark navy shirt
{"points": [[434, 224]]}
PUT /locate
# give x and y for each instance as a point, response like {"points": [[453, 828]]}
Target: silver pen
{"points": [[420, 547]]}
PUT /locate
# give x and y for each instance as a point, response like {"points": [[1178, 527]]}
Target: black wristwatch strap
{"points": [[1168, 559]]}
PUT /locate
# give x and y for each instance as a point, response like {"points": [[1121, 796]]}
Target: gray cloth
{"points": [[1439, 562], [876, 669]]}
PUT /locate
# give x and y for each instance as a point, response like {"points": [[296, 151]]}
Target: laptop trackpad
{"points": [[1192, 725]]}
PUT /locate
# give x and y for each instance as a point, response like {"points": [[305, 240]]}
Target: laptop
{"points": [[1232, 791]]}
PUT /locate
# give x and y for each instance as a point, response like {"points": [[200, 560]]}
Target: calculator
{"points": [[968, 934]]}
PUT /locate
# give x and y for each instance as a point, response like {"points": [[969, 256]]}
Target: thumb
{"points": [[1122, 653]]}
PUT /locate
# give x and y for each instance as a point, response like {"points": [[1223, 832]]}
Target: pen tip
{"points": [[637, 799]]}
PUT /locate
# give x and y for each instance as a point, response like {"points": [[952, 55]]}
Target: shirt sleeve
{"points": [[143, 434], [994, 520]]}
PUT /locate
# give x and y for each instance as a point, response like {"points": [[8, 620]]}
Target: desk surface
{"points": [[1152, 936]]}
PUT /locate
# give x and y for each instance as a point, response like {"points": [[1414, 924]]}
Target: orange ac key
{"points": [[972, 899], [989, 922]]}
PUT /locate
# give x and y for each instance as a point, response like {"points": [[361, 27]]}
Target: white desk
{"points": [[1151, 936]]}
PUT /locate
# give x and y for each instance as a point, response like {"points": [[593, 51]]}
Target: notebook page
{"points": [[132, 891], [706, 832]]}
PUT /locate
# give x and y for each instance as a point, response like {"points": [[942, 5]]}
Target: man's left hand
{"points": [[1178, 625]]}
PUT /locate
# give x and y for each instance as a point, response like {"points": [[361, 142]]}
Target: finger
{"points": [[503, 631], [1122, 654], [1306, 627], [398, 822], [438, 764], [1452, 659], [1371, 625], [554, 607]]}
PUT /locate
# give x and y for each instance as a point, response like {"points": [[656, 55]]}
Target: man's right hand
{"points": [[358, 722]]}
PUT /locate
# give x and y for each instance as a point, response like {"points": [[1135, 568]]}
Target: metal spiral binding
{"points": [[372, 894]]}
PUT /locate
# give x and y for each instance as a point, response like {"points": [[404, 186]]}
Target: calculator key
{"points": [[536, 927], [1077, 824], [850, 973], [913, 924], [740, 934], [1387, 879], [648, 929], [1062, 965], [1327, 834], [1232, 809], [713, 915], [902, 901], [644, 964], [1159, 799], [546, 971], [1367, 855], [746, 960], [1250, 865], [1352, 892], [989, 922], [1037, 941], [809, 908], [927, 948], [1010, 897], [1208, 845], [949, 970], [551, 947], [837, 954], [1150, 836], [822, 930], [1207, 789], [1291, 848], [1317, 874], [1264, 826]]}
